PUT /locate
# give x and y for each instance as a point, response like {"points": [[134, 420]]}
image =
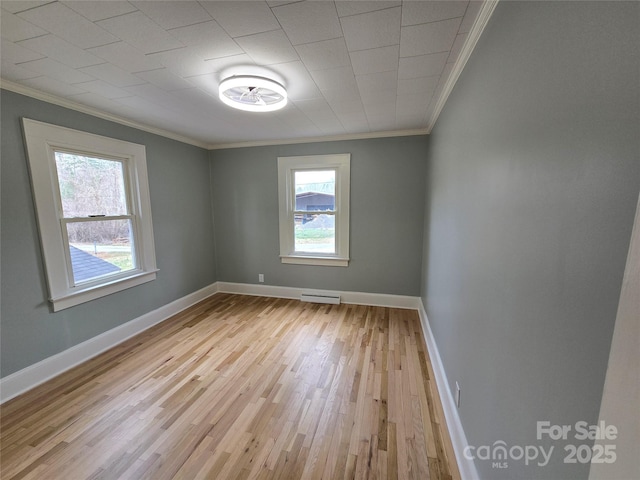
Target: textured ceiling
{"points": [[351, 68]]}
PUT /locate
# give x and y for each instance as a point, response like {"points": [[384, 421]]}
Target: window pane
{"points": [[315, 233], [315, 190], [100, 248], [90, 185]]}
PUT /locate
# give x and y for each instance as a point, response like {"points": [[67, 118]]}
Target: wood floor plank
{"points": [[240, 387]]}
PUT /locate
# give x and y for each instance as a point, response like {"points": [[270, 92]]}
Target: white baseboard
{"points": [[458, 438], [33, 375], [38, 373], [356, 298]]}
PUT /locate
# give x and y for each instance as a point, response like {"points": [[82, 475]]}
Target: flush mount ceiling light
{"points": [[252, 94]]}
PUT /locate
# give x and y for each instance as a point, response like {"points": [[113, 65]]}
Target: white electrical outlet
{"points": [[261, 277], [457, 395]]}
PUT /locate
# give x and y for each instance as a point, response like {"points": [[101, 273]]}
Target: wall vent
{"points": [[310, 297]]}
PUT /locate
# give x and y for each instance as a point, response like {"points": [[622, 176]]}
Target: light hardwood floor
{"points": [[241, 387]]}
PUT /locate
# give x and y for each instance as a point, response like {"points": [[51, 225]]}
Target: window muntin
{"points": [[94, 213], [315, 192], [314, 209]]}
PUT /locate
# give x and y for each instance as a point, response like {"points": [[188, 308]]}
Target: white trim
{"points": [[33, 375], [486, 10], [29, 377], [454, 425], [78, 107], [287, 167], [354, 298], [98, 291], [42, 140], [309, 260], [38, 373], [321, 139]]}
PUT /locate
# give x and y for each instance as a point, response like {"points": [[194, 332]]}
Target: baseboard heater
{"points": [[313, 298]]}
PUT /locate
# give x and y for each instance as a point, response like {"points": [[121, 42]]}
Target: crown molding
{"points": [[486, 10], [78, 107], [330, 138], [63, 102]]}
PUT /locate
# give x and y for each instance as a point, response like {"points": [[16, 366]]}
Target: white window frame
{"points": [[287, 166], [42, 140]]}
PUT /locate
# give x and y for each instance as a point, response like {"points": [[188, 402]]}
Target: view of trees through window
{"points": [[95, 213]]}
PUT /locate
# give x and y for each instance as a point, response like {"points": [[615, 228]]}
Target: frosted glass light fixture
{"points": [[252, 93]]}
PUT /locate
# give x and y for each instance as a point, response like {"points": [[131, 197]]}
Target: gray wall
{"points": [[387, 192], [386, 228], [533, 178], [181, 209]]}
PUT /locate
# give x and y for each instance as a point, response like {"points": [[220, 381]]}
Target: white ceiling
{"points": [[352, 68]]}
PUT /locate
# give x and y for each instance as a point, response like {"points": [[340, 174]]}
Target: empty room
{"points": [[320, 239]]}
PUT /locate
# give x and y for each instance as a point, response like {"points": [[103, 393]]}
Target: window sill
{"points": [[311, 260], [76, 297]]}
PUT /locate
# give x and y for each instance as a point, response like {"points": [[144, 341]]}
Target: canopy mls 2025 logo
{"points": [[581, 450]]}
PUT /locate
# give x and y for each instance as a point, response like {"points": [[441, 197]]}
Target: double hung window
{"points": [[92, 202], [314, 209]]}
